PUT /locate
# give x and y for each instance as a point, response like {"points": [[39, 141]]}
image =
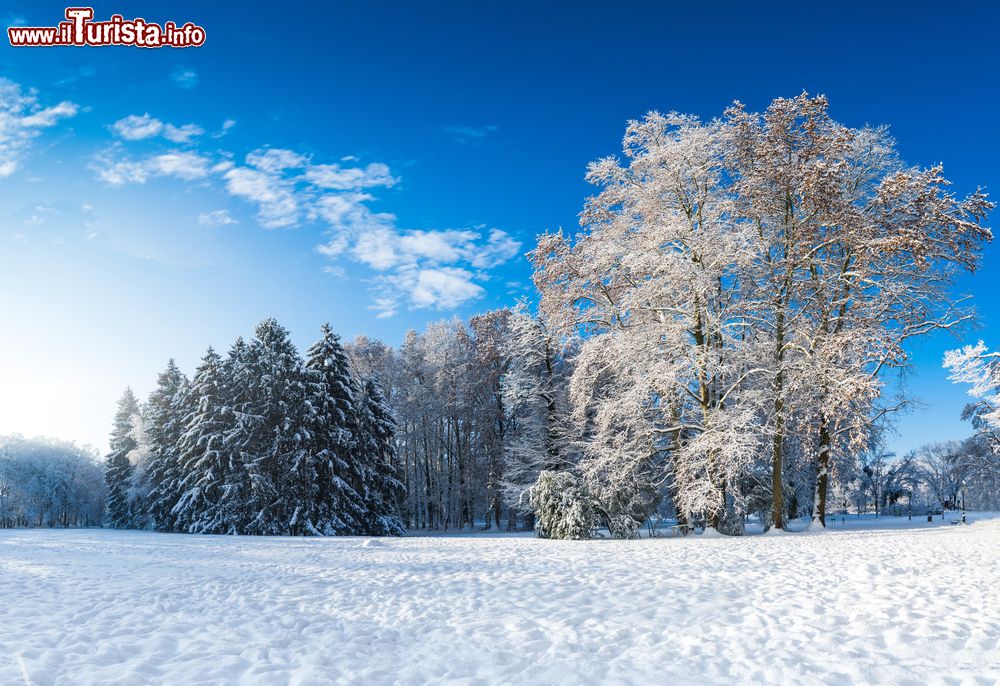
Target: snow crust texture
{"points": [[903, 607]]}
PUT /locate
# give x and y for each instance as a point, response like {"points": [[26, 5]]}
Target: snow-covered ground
{"points": [[894, 605]]}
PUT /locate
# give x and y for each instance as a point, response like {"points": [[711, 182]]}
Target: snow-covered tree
{"points": [[204, 463], [650, 286], [750, 281], [165, 414], [563, 508], [381, 488], [536, 406], [278, 438], [332, 501], [854, 255], [493, 357], [141, 463], [942, 470], [980, 368], [46, 482], [117, 467]]}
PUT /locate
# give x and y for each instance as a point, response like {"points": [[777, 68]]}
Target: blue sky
{"points": [[381, 165]]}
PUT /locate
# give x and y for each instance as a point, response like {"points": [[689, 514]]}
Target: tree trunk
{"points": [[822, 477], [777, 497]]}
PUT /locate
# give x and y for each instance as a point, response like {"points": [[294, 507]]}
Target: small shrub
{"points": [[623, 526], [562, 506]]}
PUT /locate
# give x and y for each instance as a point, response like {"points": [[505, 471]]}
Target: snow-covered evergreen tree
{"points": [[278, 437], [563, 508], [331, 501], [203, 462], [238, 438], [165, 414], [382, 490], [117, 467], [141, 460]]}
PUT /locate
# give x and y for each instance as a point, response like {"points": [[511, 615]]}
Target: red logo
{"points": [[80, 29]]}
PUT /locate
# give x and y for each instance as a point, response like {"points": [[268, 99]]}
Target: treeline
{"points": [[715, 343], [261, 441], [45, 482], [948, 475]]}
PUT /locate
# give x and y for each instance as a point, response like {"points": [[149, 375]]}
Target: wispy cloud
{"points": [[184, 78], [22, 118], [224, 129], [274, 195], [138, 127], [337, 177], [216, 218], [466, 133], [179, 164]]}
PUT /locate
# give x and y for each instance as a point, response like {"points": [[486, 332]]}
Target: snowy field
{"points": [[895, 605]]}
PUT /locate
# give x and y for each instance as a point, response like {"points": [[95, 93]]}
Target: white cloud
{"points": [[183, 165], [438, 246], [182, 134], [48, 116], [139, 127], [22, 118], [441, 288], [377, 249], [273, 195], [444, 288], [500, 247], [180, 164], [274, 160], [216, 218], [421, 268], [385, 306], [335, 177]]}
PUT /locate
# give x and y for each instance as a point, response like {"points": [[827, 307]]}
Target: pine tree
{"points": [[336, 506], [201, 452], [118, 469], [383, 491], [167, 410]]}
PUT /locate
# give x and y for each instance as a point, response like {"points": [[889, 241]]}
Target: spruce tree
{"points": [[276, 444], [117, 468], [338, 507], [201, 451], [166, 412], [238, 438], [383, 491]]}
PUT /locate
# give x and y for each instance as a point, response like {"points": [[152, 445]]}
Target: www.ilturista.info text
{"points": [[80, 29]]}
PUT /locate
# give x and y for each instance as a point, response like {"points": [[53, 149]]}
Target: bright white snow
{"points": [[891, 606]]}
